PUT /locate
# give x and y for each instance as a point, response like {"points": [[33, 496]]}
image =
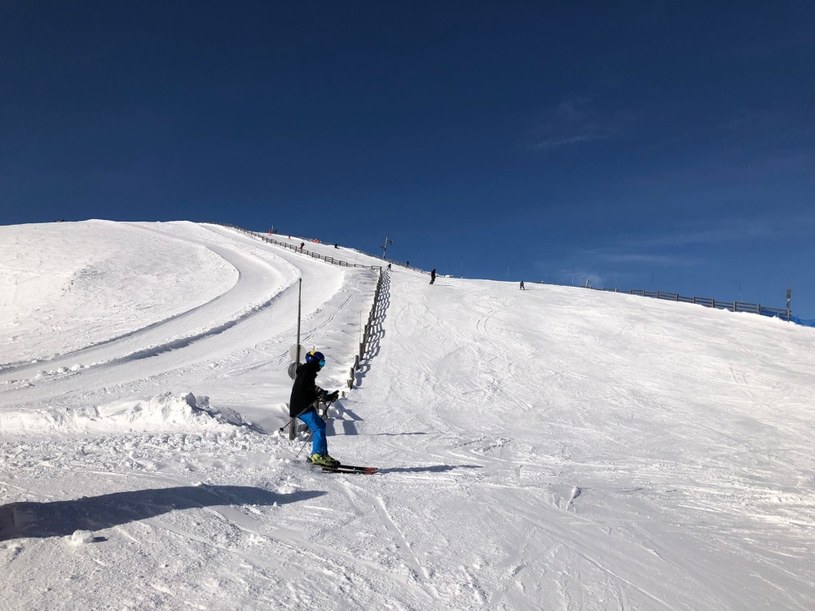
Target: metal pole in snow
{"points": [[293, 425]]}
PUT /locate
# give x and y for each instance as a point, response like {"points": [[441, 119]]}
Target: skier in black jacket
{"points": [[305, 394]]}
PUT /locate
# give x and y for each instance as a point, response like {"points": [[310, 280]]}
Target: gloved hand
{"points": [[333, 396]]}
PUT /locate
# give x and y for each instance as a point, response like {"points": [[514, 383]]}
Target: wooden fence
{"points": [[370, 326], [733, 306], [297, 249], [373, 315]]}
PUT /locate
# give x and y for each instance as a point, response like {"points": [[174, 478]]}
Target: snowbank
{"points": [[161, 413]]}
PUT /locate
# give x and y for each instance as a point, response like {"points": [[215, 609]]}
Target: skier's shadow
{"points": [[62, 518]]}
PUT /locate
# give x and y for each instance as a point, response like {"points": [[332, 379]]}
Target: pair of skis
{"points": [[351, 469], [340, 468]]}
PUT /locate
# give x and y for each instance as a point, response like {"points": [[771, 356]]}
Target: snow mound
{"points": [[58, 295], [165, 412], [81, 537], [167, 409]]}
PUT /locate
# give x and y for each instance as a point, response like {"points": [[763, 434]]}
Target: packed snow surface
{"points": [[553, 448]]}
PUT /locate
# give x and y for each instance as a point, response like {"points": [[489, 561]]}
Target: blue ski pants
{"points": [[317, 427]]}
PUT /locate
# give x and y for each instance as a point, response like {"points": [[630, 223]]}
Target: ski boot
{"points": [[324, 460]]}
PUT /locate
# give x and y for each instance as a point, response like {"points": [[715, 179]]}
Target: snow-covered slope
{"points": [[553, 448]]}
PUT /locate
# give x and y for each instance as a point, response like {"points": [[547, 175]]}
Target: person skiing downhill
{"points": [[305, 394]]}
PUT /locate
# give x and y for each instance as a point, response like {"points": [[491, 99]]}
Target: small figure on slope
{"points": [[305, 395]]}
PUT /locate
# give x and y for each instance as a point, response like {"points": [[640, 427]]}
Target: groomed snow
{"points": [[554, 448]]}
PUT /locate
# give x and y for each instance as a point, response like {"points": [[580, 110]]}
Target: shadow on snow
{"points": [[62, 518]]}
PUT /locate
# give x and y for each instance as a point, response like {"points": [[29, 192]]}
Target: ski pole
{"points": [[302, 447]]}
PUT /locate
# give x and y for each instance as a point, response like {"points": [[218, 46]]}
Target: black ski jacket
{"points": [[305, 391]]}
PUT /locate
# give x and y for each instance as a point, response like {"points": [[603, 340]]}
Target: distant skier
{"points": [[305, 394], [433, 276], [301, 246], [522, 285]]}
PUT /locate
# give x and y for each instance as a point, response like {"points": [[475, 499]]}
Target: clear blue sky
{"points": [[657, 145]]}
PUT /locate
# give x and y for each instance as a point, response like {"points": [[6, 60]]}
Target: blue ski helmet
{"points": [[316, 357]]}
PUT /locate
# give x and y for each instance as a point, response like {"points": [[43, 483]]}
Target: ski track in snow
{"points": [[553, 448]]}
